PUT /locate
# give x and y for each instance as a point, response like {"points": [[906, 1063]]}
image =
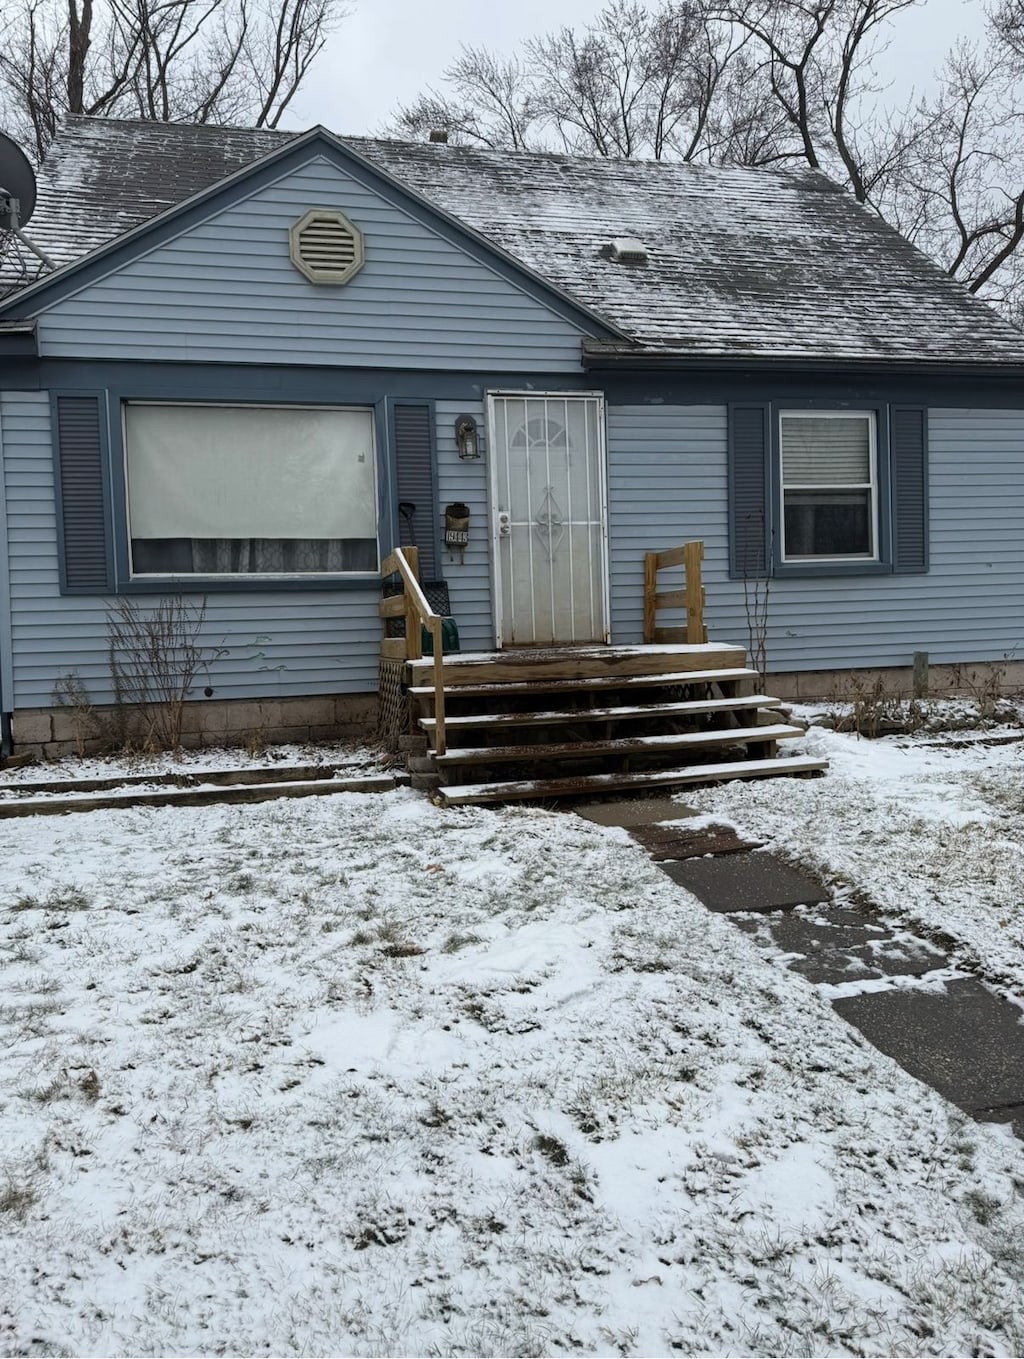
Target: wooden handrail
{"points": [[691, 597], [412, 604]]}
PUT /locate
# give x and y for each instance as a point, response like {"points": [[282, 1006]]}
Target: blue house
{"points": [[265, 360]]}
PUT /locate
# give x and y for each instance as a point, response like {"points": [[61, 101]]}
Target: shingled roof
{"points": [[752, 264]]}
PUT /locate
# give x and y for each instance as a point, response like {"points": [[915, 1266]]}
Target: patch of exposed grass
{"points": [[16, 1198]]}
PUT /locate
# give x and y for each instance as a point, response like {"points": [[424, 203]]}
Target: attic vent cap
{"points": [[627, 250], [439, 134], [325, 246]]}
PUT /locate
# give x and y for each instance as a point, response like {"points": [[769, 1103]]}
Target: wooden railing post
{"points": [[413, 636], [438, 638], [650, 596], [413, 606], [696, 632]]}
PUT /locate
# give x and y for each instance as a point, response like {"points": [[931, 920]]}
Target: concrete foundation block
{"points": [[967, 679], [415, 745], [34, 728], [421, 764], [54, 732], [425, 783]]}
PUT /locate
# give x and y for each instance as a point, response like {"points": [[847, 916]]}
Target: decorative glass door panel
{"points": [[548, 487]]}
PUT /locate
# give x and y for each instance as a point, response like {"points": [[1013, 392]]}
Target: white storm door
{"points": [[550, 519]]}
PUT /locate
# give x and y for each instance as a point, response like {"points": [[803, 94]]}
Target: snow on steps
{"points": [[455, 796], [564, 721], [551, 716], [630, 745]]}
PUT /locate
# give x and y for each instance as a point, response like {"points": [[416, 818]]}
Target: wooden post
{"points": [[695, 631], [650, 594], [920, 674], [413, 638], [440, 743]]}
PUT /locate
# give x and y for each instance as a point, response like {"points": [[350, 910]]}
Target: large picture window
{"points": [[829, 486], [250, 490]]}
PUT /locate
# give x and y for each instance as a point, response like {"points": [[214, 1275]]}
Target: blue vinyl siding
{"points": [[225, 290], [271, 645], [668, 483]]}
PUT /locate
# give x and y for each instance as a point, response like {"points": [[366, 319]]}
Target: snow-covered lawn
{"points": [[354, 1075]]}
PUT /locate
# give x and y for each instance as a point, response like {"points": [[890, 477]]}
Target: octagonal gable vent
{"points": [[326, 247]]}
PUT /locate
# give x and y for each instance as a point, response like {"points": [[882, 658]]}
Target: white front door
{"points": [[550, 519]]}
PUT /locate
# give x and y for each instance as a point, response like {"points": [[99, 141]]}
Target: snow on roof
{"points": [[741, 263]]}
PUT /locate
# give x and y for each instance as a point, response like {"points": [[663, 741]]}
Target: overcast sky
{"points": [[388, 50]]}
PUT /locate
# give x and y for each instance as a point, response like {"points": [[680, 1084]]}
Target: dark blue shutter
{"points": [[749, 516], [415, 478], [85, 565], [908, 455]]}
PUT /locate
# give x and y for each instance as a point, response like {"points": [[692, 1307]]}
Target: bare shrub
{"points": [[154, 656], [69, 692], [757, 582], [869, 708], [986, 685]]}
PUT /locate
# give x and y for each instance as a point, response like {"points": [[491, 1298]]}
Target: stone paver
{"points": [[677, 842], [836, 944], [961, 1039], [744, 882], [634, 811], [902, 957], [827, 925]]}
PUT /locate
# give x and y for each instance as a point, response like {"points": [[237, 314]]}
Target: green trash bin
{"points": [[449, 638]]}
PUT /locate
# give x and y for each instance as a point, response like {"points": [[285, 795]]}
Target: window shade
{"points": [[249, 472], [826, 451]]}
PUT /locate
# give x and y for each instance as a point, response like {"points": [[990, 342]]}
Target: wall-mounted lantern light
{"points": [[467, 438]]}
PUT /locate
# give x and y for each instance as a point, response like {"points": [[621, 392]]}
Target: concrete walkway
{"points": [[944, 1026]]}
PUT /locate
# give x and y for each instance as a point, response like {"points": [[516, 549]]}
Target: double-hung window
{"points": [[829, 486], [221, 490]]}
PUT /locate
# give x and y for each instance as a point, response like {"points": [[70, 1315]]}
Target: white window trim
{"points": [[295, 577], [872, 421]]}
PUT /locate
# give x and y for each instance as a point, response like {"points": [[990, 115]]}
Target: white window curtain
{"points": [[228, 490]]}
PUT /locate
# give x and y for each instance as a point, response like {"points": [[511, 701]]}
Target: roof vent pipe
{"points": [[439, 134]]}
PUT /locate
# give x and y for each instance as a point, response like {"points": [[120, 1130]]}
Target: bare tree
{"points": [[1006, 25], [637, 82], [497, 104], [819, 59], [203, 61], [961, 195]]}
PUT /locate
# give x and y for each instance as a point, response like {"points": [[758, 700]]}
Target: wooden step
{"points": [[729, 675], [574, 663], [573, 715], [522, 789], [629, 745]]}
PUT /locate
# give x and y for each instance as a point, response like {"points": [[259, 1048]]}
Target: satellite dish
{"points": [[17, 181]]}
